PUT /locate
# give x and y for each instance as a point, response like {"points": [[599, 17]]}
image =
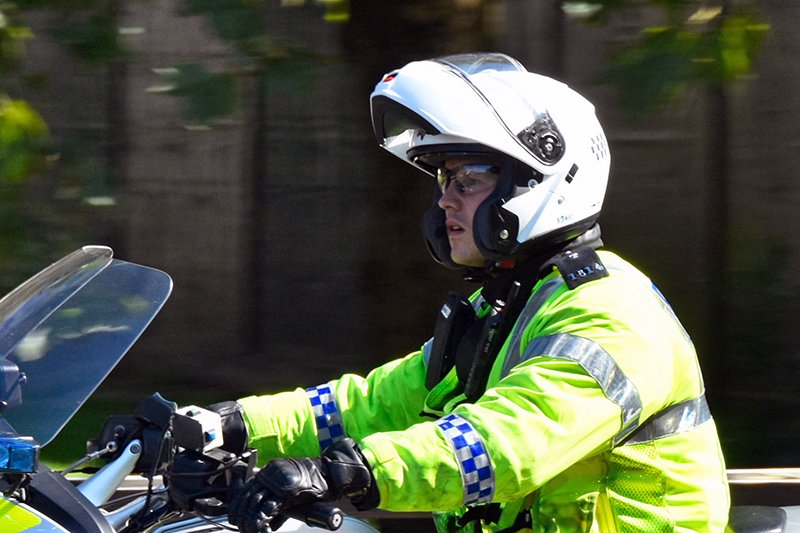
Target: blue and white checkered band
{"points": [[477, 474], [326, 414]]}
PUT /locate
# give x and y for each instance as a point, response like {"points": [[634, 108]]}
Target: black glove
{"points": [[286, 483], [234, 430]]}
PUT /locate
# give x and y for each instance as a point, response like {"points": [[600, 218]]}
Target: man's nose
{"points": [[450, 198]]}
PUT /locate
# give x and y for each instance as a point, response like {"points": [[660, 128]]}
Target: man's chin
{"points": [[468, 262], [466, 256]]}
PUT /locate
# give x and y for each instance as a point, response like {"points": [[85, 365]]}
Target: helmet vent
{"points": [[571, 174], [599, 147], [543, 140]]}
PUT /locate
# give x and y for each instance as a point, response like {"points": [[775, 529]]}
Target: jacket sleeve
{"points": [[301, 422], [528, 428], [546, 415]]}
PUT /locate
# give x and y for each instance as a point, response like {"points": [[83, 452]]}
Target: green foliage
{"points": [[23, 136], [211, 95], [12, 37], [737, 42], [86, 27], [238, 21], [267, 61], [207, 94], [92, 36], [654, 71], [337, 10], [597, 12], [41, 188], [294, 69], [695, 44]]}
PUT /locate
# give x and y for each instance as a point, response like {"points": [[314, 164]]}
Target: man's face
{"points": [[465, 183]]}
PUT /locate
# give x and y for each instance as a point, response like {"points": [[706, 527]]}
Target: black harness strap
{"points": [[472, 344]]}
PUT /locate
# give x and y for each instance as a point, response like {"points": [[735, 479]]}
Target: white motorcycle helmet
{"points": [[554, 155]]}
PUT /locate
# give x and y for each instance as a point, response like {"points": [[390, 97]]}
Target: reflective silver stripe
{"points": [[327, 416], [477, 474], [600, 366], [675, 419], [514, 357]]}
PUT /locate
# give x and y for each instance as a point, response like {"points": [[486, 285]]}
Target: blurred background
{"points": [[228, 143]]}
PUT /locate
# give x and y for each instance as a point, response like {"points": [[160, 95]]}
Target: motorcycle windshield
{"points": [[64, 330]]}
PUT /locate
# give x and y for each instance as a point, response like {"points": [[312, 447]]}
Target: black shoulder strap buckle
{"points": [[488, 513], [578, 266]]}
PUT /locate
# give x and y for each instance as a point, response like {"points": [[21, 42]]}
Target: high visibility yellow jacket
{"points": [[593, 419]]}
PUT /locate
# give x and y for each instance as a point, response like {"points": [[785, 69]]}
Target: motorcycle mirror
{"points": [[11, 381]]}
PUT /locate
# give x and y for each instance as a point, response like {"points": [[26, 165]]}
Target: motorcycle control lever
{"points": [[111, 447]]}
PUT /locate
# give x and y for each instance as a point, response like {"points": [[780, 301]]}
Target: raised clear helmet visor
{"points": [[391, 118], [64, 330], [474, 63], [468, 99]]}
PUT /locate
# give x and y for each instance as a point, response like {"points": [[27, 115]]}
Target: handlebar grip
{"points": [[317, 514]]}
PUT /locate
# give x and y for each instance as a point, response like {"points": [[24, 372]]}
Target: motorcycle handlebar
{"points": [[317, 514], [199, 470]]}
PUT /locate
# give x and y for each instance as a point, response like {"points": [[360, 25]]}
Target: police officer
{"points": [[563, 395]]}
